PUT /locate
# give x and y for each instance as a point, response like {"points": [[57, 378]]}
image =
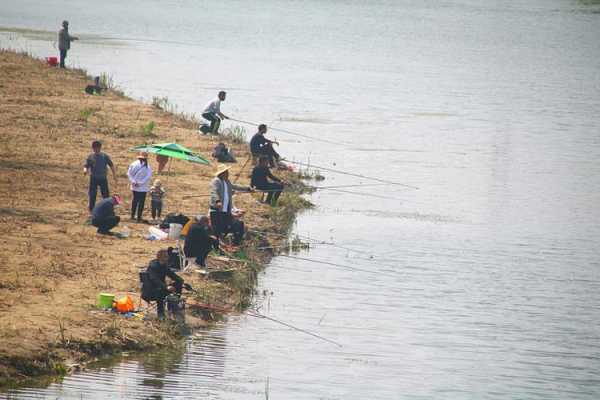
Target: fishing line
{"points": [[294, 133], [337, 171], [348, 267]]}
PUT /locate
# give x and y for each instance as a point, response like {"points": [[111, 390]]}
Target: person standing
{"points": [[212, 112], [261, 146], [64, 42], [96, 165], [221, 204], [139, 174], [156, 199], [103, 214], [260, 180]]}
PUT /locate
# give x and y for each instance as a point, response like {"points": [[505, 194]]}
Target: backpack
{"points": [[174, 218]]}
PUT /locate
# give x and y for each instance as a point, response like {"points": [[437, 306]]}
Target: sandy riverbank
{"points": [[52, 264]]}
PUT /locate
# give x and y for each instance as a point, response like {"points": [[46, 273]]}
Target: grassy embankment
{"points": [[52, 264]]}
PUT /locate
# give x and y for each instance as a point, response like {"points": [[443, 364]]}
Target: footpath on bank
{"points": [[53, 264]]}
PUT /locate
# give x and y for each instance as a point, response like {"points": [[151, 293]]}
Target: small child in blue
{"points": [[156, 195]]}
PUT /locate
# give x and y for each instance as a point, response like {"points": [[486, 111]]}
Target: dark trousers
{"points": [[269, 152], [201, 259], [160, 308], [224, 223], [104, 225], [93, 190], [63, 56], [215, 122], [137, 204], [156, 208], [273, 190]]}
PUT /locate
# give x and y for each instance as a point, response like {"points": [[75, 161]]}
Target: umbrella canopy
{"points": [[172, 150]]}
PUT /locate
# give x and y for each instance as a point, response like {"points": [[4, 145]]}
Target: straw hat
{"points": [[222, 168], [142, 155]]}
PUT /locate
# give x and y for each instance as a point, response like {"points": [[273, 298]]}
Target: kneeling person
{"points": [[154, 286], [260, 180], [103, 214]]}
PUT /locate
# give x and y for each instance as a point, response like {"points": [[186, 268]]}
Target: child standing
{"points": [[156, 194]]}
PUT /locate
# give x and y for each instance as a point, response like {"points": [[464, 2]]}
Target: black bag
{"points": [[222, 153], [174, 218], [147, 291]]}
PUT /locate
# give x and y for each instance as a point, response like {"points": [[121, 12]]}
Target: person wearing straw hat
{"points": [[140, 175], [103, 214], [221, 204]]}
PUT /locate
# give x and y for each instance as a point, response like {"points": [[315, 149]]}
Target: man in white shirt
{"points": [[212, 112]]}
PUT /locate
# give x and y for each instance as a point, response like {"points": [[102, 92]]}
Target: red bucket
{"points": [[52, 61]]}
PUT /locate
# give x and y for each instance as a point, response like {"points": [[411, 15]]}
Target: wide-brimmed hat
{"points": [[222, 168], [117, 199], [142, 155]]}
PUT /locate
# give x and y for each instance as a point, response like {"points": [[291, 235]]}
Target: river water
{"points": [[483, 283]]}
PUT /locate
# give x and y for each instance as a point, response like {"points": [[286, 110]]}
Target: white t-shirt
{"points": [[213, 107], [225, 202]]}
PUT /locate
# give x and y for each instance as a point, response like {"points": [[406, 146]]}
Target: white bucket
{"points": [[157, 233], [175, 231]]}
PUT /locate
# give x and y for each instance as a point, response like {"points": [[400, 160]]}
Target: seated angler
{"points": [[260, 180], [200, 240], [103, 214], [221, 206], [261, 146], [154, 286]]}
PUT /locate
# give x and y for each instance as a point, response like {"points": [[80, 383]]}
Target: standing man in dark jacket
{"points": [[200, 240], [259, 180], [154, 286], [96, 165], [64, 42], [221, 204], [103, 214], [261, 146]]}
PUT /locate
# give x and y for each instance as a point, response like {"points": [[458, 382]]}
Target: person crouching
{"points": [[200, 240], [155, 287], [103, 214]]}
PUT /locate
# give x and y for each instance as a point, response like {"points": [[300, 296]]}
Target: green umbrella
{"points": [[172, 150]]}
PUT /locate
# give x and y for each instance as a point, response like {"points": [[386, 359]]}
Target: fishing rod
{"points": [[348, 267], [293, 133], [256, 314], [259, 315], [337, 171]]}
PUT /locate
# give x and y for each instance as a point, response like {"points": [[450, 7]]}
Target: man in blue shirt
{"points": [[96, 165], [261, 146], [103, 214]]}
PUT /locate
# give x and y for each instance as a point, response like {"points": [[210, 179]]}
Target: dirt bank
{"points": [[52, 264]]}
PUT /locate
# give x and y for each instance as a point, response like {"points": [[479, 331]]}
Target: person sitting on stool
{"points": [[221, 204], [260, 180], [261, 146], [155, 288]]}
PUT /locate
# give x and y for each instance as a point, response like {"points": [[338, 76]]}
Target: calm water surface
{"points": [[482, 284]]}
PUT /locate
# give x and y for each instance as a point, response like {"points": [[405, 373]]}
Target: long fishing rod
{"points": [[293, 133], [256, 314], [295, 191], [337, 171], [313, 241], [259, 315], [348, 267]]}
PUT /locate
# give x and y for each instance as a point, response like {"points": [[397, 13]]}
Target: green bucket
{"points": [[105, 300]]}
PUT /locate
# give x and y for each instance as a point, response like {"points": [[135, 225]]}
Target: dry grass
{"points": [[53, 265]]}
